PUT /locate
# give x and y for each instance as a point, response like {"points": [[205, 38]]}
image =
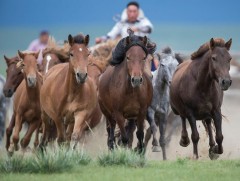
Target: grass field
{"points": [[169, 170], [62, 165]]}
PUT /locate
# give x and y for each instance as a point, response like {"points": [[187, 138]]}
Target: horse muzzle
{"points": [[81, 77], [225, 83], [136, 81], [8, 92], [31, 81]]}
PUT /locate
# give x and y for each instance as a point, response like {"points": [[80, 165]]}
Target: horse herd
{"points": [[68, 93]]}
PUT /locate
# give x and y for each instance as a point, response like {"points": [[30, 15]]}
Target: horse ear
{"points": [[86, 40], [21, 55], [212, 44], [228, 44], [7, 60], [128, 41], [70, 40], [145, 40]]}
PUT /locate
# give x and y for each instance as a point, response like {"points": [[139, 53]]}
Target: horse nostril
{"points": [[223, 82], [141, 80], [230, 82], [78, 74], [132, 79]]}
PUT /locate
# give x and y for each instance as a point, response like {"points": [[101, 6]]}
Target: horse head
{"points": [[220, 62], [14, 76], [136, 56], [28, 65], [79, 56]]}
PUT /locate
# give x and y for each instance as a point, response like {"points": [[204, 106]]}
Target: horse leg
{"points": [[131, 126], [195, 136], [153, 126], [36, 141], [217, 117], [60, 131], [162, 129], [147, 137], [80, 122], [173, 124], [212, 143], [110, 125], [184, 142], [15, 138], [69, 131], [9, 131], [27, 137], [121, 124], [46, 130], [140, 133]]}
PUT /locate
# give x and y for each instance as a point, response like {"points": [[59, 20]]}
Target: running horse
{"points": [[196, 92], [26, 101], [125, 92], [76, 98]]}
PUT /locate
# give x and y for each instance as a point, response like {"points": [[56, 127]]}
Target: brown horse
{"points": [[196, 92], [53, 57], [125, 92], [68, 92], [26, 101], [14, 76]]}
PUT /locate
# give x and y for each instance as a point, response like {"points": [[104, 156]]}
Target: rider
{"points": [[133, 18]]}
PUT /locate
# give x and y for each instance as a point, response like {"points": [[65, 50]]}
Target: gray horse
{"points": [[4, 104], [159, 109]]}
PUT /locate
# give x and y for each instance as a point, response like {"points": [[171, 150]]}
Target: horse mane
{"points": [[60, 51], [79, 39], [168, 51], [102, 54], [219, 42]]}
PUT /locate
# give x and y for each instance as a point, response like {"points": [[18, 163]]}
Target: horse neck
{"points": [[160, 85], [204, 79]]}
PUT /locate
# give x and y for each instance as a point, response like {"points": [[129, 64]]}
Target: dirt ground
{"points": [[96, 142]]}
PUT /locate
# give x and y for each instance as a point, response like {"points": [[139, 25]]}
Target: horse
{"points": [[125, 92], [76, 98], [196, 92], [51, 57], [26, 101], [159, 108], [14, 76], [99, 59], [4, 108]]}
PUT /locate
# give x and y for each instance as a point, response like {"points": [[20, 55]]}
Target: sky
{"points": [[47, 13]]}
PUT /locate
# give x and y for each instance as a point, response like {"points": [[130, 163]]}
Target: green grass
{"points": [[181, 169], [122, 157], [51, 161]]}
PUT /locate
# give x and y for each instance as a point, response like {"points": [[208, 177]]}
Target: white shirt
{"points": [[120, 29]]}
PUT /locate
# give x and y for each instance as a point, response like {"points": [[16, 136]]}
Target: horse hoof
{"points": [[212, 155], [184, 143], [156, 149], [215, 150]]}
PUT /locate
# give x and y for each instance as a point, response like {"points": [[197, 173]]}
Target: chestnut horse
{"points": [[76, 97], [125, 92], [196, 92], [26, 101]]}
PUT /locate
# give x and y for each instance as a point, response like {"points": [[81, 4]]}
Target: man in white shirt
{"points": [[133, 18]]}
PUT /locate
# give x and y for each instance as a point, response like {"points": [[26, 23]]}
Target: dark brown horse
{"points": [[14, 76], [125, 92], [196, 92], [26, 101]]}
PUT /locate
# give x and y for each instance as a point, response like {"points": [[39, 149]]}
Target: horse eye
{"points": [[214, 58], [71, 55]]}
